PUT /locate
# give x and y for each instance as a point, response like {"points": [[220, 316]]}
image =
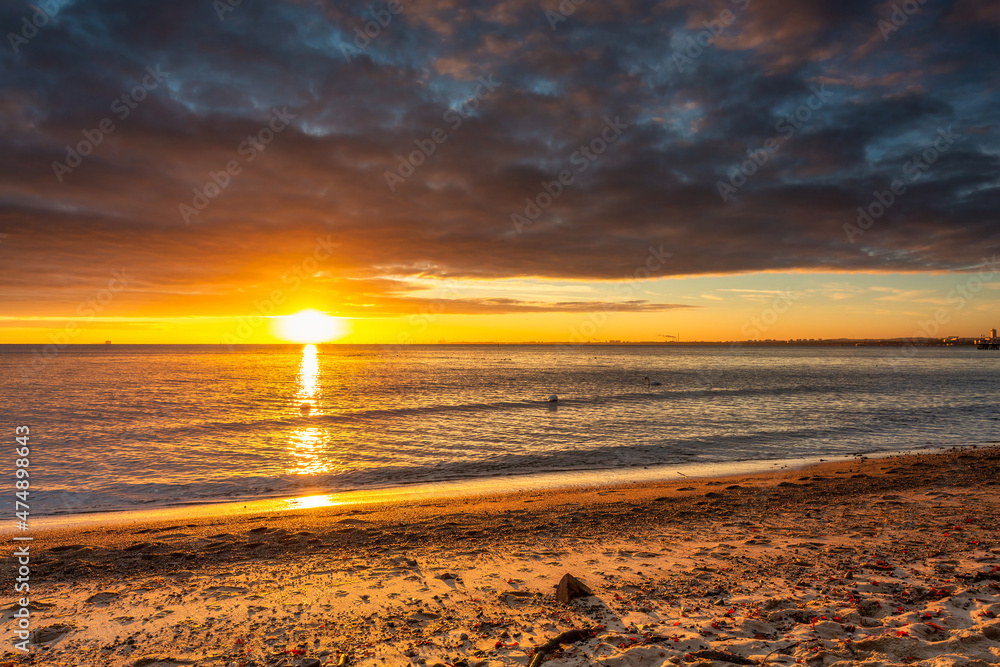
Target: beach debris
{"points": [[789, 579], [50, 633], [568, 637], [311, 662], [160, 661], [723, 656], [570, 587], [103, 597]]}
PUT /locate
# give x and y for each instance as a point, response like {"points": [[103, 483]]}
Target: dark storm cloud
{"points": [[352, 108]]}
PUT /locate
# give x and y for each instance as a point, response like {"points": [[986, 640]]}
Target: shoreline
{"points": [[569, 480], [872, 561]]}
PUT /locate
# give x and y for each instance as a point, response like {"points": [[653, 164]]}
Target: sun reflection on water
{"points": [[308, 376], [307, 448], [307, 444]]}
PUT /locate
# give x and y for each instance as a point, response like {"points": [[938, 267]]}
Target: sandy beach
{"points": [[891, 561]]}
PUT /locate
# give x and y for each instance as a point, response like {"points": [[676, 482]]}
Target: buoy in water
{"points": [[305, 408]]}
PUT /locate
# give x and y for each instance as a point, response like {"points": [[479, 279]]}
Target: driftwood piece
{"points": [[722, 656], [979, 576], [568, 637]]}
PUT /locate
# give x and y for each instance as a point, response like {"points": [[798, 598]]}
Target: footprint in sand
{"points": [[103, 598], [50, 633]]}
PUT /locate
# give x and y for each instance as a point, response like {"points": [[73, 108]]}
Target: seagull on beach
{"points": [[651, 383]]}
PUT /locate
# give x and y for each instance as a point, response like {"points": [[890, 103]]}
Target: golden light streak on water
{"points": [[308, 376], [307, 444]]}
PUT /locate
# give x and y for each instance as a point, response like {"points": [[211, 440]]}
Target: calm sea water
{"points": [[115, 427]]}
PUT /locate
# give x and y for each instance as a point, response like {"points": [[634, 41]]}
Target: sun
{"points": [[309, 326]]}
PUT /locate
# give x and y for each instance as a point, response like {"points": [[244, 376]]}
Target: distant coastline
{"points": [[767, 342]]}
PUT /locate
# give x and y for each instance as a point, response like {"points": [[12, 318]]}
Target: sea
{"points": [[121, 427]]}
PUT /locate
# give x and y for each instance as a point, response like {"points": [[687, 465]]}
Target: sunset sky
{"points": [[173, 172]]}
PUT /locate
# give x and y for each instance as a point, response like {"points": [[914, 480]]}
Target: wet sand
{"points": [[892, 561]]}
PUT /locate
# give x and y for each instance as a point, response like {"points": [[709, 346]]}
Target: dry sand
{"points": [[891, 561]]}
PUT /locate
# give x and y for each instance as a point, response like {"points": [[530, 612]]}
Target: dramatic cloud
{"points": [[433, 145]]}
